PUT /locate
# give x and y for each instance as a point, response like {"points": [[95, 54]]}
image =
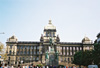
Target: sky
{"points": [[74, 19]]}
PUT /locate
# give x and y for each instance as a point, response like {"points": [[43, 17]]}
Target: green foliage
{"points": [[83, 58], [87, 58], [78, 58], [96, 54], [61, 65], [40, 65]]}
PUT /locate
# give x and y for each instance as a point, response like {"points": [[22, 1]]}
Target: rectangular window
{"points": [[24, 52], [64, 53], [68, 59], [61, 48], [27, 52], [46, 33], [73, 48], [53, 34], [77, 48], [37, 58], [67, 48], [37, 47], [70, 48], [80, 48], [74, 52], [33, 58], [31, 52], [37, 52], [50, 34], [34, 52], [61, 59], [41, 52], [65, 59], [71, 59], [17, 47], [64, 48], [67, 53], [25, 47], [31, 47], [11, 46], [34, 47], [28, 47], [21, 47], [60, 53], [87, 48], [70, 53]]}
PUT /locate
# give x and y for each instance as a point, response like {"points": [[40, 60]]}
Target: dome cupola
{"points": [[86, 40], [12, 39], [50, 26]]}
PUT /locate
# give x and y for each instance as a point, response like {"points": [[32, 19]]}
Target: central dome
{"points": [[50, 26]]}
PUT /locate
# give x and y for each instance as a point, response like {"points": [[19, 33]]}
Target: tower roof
{"points": [[50, 26], [13, 37], [85, 39]]}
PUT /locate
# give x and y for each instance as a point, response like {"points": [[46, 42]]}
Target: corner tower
{"points": [[49, 32]]}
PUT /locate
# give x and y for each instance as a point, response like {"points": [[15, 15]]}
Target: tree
{"points": [[96, 54], [78, 58], [1, 47], [83, 58], [3, 55], [87, 58]]}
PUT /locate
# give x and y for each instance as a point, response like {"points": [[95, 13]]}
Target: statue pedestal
{"points": [[53, 58]]}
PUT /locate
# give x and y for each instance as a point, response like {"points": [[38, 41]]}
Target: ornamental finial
{"points": [[50, 22]]}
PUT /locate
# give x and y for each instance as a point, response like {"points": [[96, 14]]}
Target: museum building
{"points": [[21, 52]]}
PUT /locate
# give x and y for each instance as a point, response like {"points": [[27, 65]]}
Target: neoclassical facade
{"points": [[23, 52]]}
